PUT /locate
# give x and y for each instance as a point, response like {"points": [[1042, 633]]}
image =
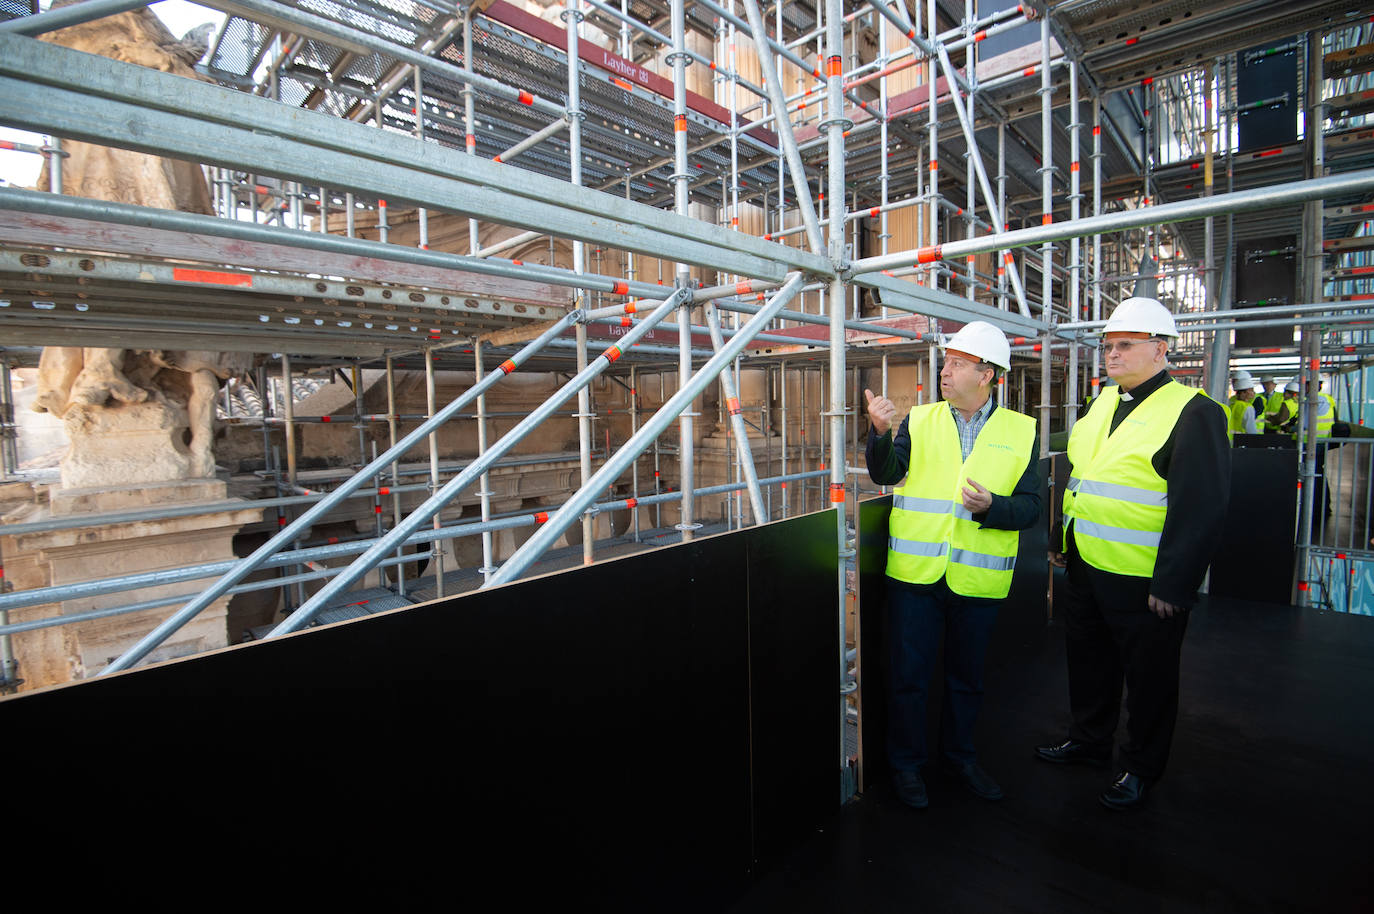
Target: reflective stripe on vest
{"points": [[1326, 414], [1116, 534], [932, 505], [1115, 500], [1118, 491], [931, 534]]}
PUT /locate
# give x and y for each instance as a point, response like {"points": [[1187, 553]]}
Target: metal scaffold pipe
{"points": [[795, 168], [731, 392], [303, 23], [195, 224], [834, 126], [418, 517], [74, 14], [990, 198], [300, 525], [544, 537], [1239, 201]]}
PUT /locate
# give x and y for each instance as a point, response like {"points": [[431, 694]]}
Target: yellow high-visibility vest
{"points": [[1235, 418], [1115, 499], [1326, 414], [930, 532]]}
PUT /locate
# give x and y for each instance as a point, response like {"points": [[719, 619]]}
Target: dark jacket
{"points": [[1195, 462]]}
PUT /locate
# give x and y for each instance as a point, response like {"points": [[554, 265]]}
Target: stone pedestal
{"points": [[126, 444], [73, 651]]}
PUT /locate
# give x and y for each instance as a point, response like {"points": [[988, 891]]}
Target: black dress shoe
{"points": [[911, 790], [975, 780], [1071, 751], [1125, 792]]}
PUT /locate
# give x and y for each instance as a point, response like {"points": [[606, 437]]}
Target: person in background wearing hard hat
{"points": [[1269, 401], [1320, 426], [1284, 417], [1141, 517], [970, 486], [1241, 420]]}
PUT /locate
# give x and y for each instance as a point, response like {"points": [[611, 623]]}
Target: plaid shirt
{"points": [[968, 430]]}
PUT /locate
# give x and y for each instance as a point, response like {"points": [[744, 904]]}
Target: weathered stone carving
{"points": [[134, 416], [156, 408]]}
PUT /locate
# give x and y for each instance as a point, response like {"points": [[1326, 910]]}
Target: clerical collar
{"points": [[1145, 388]]}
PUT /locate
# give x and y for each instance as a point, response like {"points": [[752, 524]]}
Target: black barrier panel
{"points": [[1267, 96], [1022, 617], [636, 733], [1254, 560], [1266, 276]]}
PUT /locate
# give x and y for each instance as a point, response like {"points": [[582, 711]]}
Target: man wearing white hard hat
{"points": [[1241, 420], [1141, 519], [970, 486], [1268, 401], [1284, 418]]}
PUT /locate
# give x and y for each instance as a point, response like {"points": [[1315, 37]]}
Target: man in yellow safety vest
{"points": [[970, 486], [1141, 517], [1269, 401], [1241, 418], [1284, 416]]}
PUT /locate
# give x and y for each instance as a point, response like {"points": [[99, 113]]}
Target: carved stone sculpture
{"points": [[134, 416]]}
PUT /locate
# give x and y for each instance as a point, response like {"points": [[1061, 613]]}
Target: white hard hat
{"points": [[1141, 315], [1291, 386], [1267, 379], [983, 340], [1241, 380]]}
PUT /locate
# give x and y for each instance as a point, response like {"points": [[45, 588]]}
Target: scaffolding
{"points": [[817, 192]]}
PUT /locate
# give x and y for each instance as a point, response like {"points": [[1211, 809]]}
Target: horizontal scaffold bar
{"points": [[56, 90], [1239, 201]]}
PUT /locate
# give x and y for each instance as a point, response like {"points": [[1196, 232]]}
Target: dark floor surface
{"points": [[1268, 804]]}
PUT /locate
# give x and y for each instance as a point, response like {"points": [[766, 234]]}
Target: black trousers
{"points": [[1115, 641]]}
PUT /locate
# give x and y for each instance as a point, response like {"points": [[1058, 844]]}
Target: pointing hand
{"points": [[881, 412]]}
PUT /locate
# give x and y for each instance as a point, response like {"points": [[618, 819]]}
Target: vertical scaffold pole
{"points": [[933, 141], [1097, 273], [1311, 514], [437, 547], [679, 60], [289, 415], [484, 482], [1075, 246], [395, 465], [1047, 251], [469, 116], [572, 19], [835, 127]]}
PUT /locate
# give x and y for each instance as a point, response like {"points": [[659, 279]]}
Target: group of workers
{"points": [[1250, 412], [1135, 532]]}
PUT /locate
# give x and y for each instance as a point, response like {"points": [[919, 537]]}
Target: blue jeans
{"points": [[919, 619]]}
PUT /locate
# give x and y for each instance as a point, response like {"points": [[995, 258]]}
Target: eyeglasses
{"points": [[1124, 346], [956, 362]]}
